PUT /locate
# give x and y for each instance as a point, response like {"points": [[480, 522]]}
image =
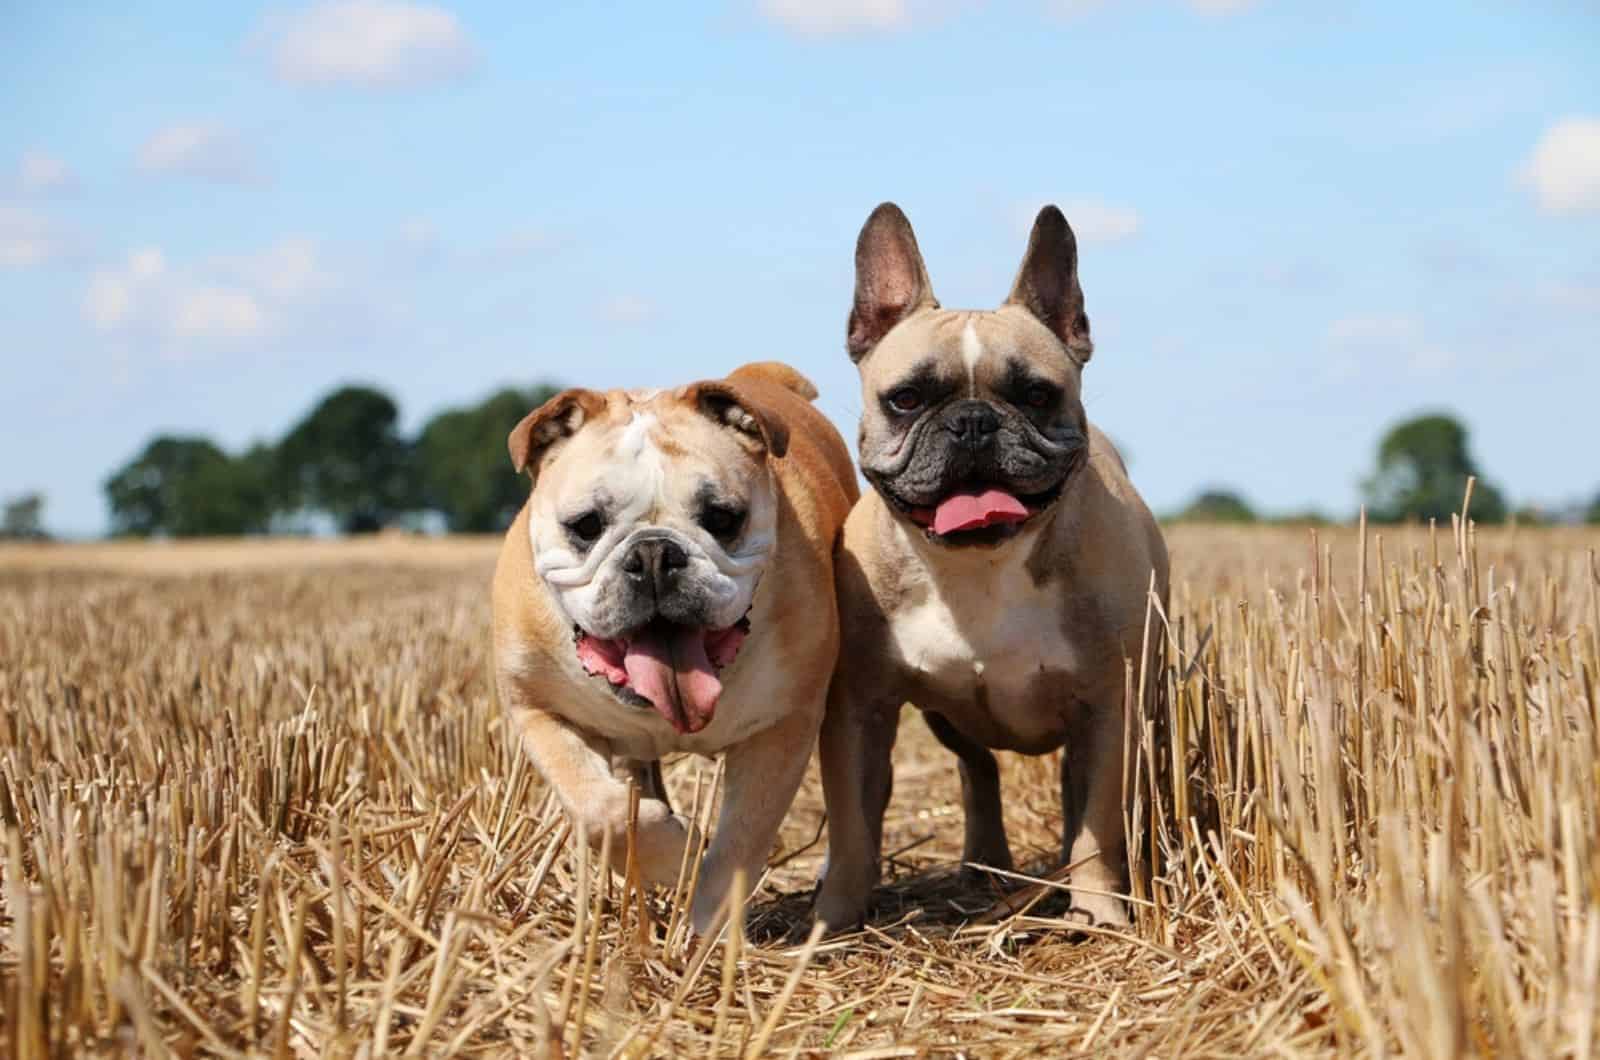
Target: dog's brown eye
{"points": [[905, 399], [720, 521], [1039, 396], [586, 527]]}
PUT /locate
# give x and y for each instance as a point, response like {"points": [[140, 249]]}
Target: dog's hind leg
{"points": [[985, 837]]}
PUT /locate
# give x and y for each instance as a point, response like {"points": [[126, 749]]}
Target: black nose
{"points": [[655, 562], [972, 421]]}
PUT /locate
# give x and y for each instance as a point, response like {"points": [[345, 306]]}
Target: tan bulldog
{"points": [[669, 587], [995, 576]]}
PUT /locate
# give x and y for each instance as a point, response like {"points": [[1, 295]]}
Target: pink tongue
{"points": [[969, 511], [674, 673], [602, 657]]}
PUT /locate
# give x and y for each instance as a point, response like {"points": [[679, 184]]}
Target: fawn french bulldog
{"points": [[996, 574]]}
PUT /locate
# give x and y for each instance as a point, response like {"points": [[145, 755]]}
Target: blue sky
{"points": [[1298, 221]]}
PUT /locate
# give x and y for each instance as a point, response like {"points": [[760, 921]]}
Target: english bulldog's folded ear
{"points": [[891, 280], [549, 423], [1047, 283], [732, 406]]}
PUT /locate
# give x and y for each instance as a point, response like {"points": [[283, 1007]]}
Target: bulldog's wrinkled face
{"points": [[972, 421], [652, 517]]}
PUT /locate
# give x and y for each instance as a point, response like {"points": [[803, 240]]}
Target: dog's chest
{"points": [[991, 655]]}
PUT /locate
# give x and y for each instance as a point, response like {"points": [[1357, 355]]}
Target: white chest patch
{"points": [[971, 352], [996, 630]]}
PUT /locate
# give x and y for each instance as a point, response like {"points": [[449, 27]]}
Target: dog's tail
{"points": [[778, 374]]}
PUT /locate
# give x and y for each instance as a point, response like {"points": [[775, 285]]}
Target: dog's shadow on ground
{"points": [[938, 902]]}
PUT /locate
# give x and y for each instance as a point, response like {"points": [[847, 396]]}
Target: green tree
{"points": [[1593, 514], [461, 466], [1423, 466], [258, 470], [22, 518], [346, 458], [1218, 506], [184, 487]]}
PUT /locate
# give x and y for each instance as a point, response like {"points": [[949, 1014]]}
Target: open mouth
{"points": [[980, 515], [667, 667]]}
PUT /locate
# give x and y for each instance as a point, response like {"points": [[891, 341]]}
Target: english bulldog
{"points": [[995, 576], [669, 587]]}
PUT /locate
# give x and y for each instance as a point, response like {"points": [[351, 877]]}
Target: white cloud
{"points": [[1373, 328], [1572, 297], [372, 43], [201, 150], [521, 242], [511, 244], [108, 300], [1074, 8], [1207, 8], [627, 309], [143, 296], [1564, 169], [1297, 274], [28, 238], [420, 241], [1384, 341], [222, 303], [821, 18], [216, 313], [40, 173], [290, 270], [826, 18], [1101, 222], [1220, 8]]}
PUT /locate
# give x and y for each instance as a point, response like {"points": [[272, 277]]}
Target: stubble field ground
{"points": [[255, 800]]}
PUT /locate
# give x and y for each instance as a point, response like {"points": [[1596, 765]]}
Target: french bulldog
{"points": [[995, 576], [669, 587]]}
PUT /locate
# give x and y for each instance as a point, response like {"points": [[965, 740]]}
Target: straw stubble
{"points": [[256, 801]]}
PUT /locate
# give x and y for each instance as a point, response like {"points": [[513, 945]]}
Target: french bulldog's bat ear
{"points": [[732, 406], [1047, 283], [549, 423], [891, 281]]}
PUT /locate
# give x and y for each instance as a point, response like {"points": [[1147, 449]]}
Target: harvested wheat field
{"points": [[256, 801]]}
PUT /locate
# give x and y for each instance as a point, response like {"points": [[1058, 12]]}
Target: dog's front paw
{"points": [[838, 910], [1099, 910], [843, 892]]}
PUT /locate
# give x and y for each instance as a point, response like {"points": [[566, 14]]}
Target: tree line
{"points": [[1423, 465], [345, 461], [347, 465]]}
